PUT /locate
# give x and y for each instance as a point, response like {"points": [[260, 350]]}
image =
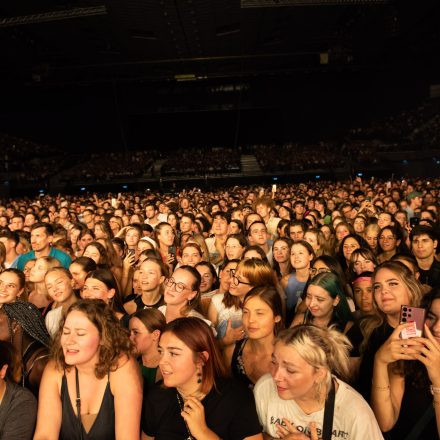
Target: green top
{"points": [[149, 375]]}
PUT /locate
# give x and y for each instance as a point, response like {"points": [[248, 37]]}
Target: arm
{"points": [[126, 387], [49, 405], [212, 314], [387, 387]]}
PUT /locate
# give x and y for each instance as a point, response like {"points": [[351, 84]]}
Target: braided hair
{"points": [[29, 317]]}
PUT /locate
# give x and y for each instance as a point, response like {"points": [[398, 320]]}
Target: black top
{"points": [[140, 305], [103, 427], [237, 364], [431, 277], [229, 412], [376, 340], [417, 398]]}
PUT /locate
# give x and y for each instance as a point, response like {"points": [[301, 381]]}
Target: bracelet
{"points": [[381, 388], [435, 403], [435, 390]]}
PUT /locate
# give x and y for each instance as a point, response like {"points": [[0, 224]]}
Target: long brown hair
{"points": [[114, 338], [198, 336]]}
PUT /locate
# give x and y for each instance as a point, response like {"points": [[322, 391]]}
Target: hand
{"points": [[194, 415], [396, 349], [289, 431], [429, 356], [233, 334], [170, 259], [129, 260]]}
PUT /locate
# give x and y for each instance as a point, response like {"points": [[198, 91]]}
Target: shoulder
{"points": [[264, 386], [21, 396], [162, 309], [348, 396]]}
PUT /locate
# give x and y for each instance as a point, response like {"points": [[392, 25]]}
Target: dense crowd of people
{"points": [[303, 311]]}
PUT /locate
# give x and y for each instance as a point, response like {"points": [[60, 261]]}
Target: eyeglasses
{"points": [[178, 287], [236, 281], [315, 271]]}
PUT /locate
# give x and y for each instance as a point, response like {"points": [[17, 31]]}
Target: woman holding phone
{"points": [[394, 285], [405, 394]]}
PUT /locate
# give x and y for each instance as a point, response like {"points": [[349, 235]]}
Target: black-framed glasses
{"points": [[236, 281], [315, 271], [178, 287]]}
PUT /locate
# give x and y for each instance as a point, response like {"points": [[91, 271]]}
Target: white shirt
{"points": [[353, 418]]}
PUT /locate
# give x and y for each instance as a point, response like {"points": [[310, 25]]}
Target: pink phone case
{"points": [[415, 315]]}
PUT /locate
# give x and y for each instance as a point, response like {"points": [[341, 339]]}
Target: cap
{"points": [[413, 195]]}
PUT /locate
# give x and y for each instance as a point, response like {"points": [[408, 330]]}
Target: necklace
{"points": [[179, 401]]}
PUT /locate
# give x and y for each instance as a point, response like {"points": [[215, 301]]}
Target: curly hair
{"points": [[115, 341]]}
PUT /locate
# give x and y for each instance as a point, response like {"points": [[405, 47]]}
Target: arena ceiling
{"points": [[59, 42]]}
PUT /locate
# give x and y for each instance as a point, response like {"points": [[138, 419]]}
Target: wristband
{"points": [[435, 390]]}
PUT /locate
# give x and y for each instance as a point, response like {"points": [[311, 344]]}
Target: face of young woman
{"points": [[258, 318], [96, 289], [359, 225], [390, 292], [239, 285], [327, 232], [312, 239], [78, 274], [99, 233], [293, 376], [177, 363], [362, 264], [363, 295], [234, 250], [59, 286], [319, 302], [166, 235], [80, 340], [350, 244], [252, 254], [114, 225], [207, 279], [132, 237], [141, 337], [342, 232], [183, 281], [93, 253], [191, 256], [226, 276], [27, 269], [85, 240], [433, 319], [38, 272], [388, 241], [371, 237], [136, 283], [280, 251], [9, 287], [150, 276], [300, 257], [172, 220]]}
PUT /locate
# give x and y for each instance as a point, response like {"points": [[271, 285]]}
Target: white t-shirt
{"points": [[353, 418], [224, 314], [193, 314]]}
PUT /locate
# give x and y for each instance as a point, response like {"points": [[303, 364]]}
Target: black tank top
{"points": [[103, 427], [237, 364], [140, 305]]}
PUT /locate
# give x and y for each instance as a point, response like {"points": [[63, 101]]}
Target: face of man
{"points": [[40, 240], [423, 246], [258, 234], [150, 212], [185, 225], [220, 226], [416, 202], [296, 233], [29, 220], [262, 210], [299, 209], [346, 211], [64, 213]]}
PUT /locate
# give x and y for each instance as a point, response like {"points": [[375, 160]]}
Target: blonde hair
{"points": [[377, 319], [320, 347]]}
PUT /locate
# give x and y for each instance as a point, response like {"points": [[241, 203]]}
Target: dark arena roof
{"points": [[131, 75]]}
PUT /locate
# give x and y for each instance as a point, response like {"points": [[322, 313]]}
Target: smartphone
{"points": [[414, 221], [274, 188], [131, 251], [172, 251], [415, 315]]}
